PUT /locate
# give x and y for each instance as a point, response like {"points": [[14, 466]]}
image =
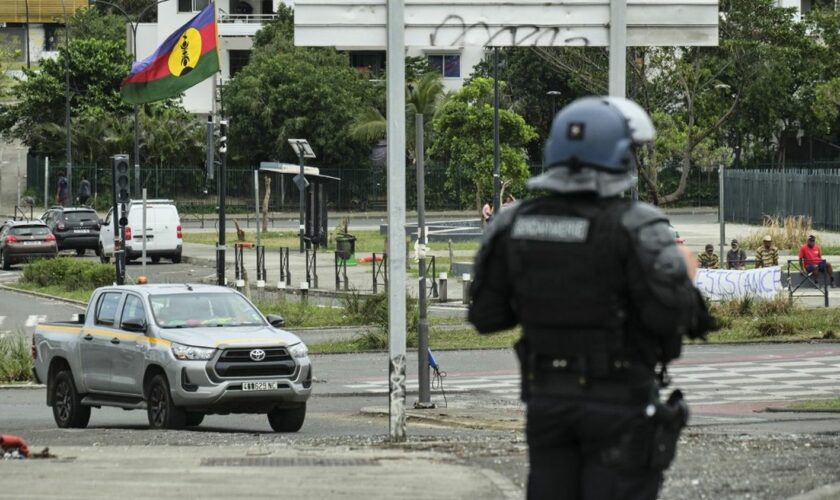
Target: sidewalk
{"points": [[273, 471], [360, 277]]}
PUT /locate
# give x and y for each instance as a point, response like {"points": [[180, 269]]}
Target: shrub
{"points": [[788, 233], [15, 358], [68, 273], [775, 326]]}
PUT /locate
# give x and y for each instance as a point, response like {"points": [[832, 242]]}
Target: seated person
{"points": [[767, 255], [811, 261], [708, 259], [736, 258]]}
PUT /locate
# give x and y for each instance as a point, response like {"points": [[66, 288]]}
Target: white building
{"points": [[239, 24]]}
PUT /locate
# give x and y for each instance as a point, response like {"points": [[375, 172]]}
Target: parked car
{"points": [[22, 241], [179, 352], [75, 228], [163, 232]]}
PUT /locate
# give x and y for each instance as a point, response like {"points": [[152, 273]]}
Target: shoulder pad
{"points": [[641, 214]]}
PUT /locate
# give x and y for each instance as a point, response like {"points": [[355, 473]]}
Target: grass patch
{"points": [[300, 315], [462, 338], [56, 291], [818, 404], [15, 358], [830, 249], [752, 320]]}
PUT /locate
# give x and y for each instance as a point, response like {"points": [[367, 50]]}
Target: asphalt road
{"points": [[20, 313]]}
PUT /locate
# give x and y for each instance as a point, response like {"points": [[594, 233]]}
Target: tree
{"points": [[96, 69], [464, 131], [286, 92], [101, 122], [422, 96]]}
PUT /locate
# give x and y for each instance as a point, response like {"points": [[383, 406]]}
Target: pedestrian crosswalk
{"points": [[9, 324], [703, 384]]}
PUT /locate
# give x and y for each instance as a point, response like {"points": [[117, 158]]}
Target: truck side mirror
{"points": [[80, 318], [276, 320]]}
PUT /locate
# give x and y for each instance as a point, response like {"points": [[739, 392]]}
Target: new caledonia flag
{"points": [[187, 57]]}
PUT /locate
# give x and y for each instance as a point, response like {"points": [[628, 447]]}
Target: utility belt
{"points": [[596, 375]]}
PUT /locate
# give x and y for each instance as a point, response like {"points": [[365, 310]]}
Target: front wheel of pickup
{"points": [[163, 414], [287, 419], [68, 410]]}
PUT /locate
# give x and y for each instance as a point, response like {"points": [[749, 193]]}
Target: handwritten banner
{"points": [[718, 284]]}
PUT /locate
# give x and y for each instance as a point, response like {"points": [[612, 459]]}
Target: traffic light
{"points": [[223, 124], [122, 182]]}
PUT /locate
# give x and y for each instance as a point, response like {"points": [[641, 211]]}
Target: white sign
{"points": [[718, 284], [453, 25]]}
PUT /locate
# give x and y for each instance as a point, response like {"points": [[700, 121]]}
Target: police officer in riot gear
{"points": [[604, 297]]}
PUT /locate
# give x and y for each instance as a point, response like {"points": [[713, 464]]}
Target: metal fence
{"points": [[750, 195], [359, 188]]}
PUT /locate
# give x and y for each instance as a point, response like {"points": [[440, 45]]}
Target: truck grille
{"points": [[237, 362]]}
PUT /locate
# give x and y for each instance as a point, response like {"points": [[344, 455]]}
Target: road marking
{"points": [[2, 319], [752, 382], [33, 319]]}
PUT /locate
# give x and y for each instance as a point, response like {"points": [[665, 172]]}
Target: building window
{"points": [[192, 5], [238, 59], [448, 64], [370, 63]]}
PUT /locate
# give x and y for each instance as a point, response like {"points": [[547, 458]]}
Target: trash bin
{"points": [[345, 246]]}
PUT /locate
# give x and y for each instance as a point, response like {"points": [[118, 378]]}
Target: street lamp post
{"points": [[303, 150], [69, 161], [134, 23]]}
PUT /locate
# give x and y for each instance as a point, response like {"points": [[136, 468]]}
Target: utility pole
{"points": [[220, 247], [425, 400], [497, 174], [395, 82]]}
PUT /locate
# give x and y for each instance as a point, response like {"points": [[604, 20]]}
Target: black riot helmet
{"points": [[597, 133]]}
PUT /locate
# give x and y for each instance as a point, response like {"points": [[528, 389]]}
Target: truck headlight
{"points": [[299, 350], [187, 352]]}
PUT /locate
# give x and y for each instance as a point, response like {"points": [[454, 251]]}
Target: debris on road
{"points": [[13, 447]]}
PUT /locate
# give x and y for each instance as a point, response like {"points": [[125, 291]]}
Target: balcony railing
{"points": [[245, 18]]}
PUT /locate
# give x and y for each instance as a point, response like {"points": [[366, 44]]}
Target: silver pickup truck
{"points": [[178, 351]]}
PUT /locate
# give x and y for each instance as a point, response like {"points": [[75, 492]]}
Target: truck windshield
{"points": [[191, 310]]}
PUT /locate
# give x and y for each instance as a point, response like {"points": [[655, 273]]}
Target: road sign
{"points": [[431, 24], [300, 182]]}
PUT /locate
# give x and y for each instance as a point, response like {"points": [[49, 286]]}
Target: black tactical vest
{"points": [[567, 263]]}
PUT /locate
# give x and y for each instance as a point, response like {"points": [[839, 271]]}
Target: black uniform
{"points": [[602, 294]]}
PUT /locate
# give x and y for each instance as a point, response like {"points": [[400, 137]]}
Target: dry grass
{"points": [[787, 234]]}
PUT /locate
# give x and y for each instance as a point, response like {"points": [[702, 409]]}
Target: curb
{"points": [[435, 416], [826, 492], [22, 386], [44, 295], [795, 410]]}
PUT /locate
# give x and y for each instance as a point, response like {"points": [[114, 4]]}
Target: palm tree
{"points": [[423, 96]]}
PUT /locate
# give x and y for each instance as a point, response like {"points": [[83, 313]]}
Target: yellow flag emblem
{"points": [[185, 54]]}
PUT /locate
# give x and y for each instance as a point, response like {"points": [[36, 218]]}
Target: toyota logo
{"points": [[257, 355]]}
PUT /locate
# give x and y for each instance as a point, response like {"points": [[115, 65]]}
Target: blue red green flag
{"points": [[189, 56]]}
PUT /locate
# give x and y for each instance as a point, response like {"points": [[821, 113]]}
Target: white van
{"points": [[163, 232]]}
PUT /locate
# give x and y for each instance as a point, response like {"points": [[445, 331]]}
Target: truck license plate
{"points": [[259, 386]]}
